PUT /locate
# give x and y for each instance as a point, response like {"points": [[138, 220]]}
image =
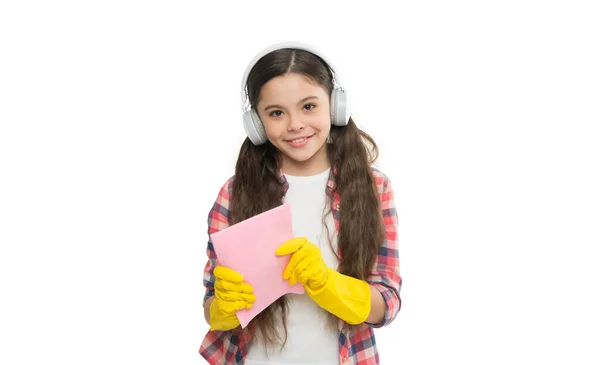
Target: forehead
{"points": [[290, 87]]}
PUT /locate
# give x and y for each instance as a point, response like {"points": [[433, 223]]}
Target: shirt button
{"points": [[345, 359]]}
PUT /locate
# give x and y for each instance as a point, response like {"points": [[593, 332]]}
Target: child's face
{"points": [[295, 113]]}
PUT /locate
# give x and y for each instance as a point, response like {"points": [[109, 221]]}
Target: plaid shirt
{"points": [[357, 343]]}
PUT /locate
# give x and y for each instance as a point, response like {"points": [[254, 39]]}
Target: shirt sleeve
{"points": [[385, 276], [218, 219]]}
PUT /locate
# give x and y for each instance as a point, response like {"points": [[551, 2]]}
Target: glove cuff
{"points": [[346, 297]]}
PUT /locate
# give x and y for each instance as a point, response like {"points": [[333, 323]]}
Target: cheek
{"points": [[273, 129], [323, 123]]}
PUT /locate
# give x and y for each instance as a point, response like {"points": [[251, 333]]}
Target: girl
{"points": [[304, 149]]}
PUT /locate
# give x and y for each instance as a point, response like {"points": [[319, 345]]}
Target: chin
{"points": [[300, 157]]}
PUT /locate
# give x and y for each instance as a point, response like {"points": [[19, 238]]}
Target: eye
{"points": [[311, 106], [275, 113]]}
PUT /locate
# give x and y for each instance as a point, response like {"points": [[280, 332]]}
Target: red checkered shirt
{"points": [[356, 343]]}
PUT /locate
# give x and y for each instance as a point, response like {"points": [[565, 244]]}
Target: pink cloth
{"points": [[249, 248]]}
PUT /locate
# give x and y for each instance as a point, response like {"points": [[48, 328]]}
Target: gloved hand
{"points": [[231, 295], [346, 297]]}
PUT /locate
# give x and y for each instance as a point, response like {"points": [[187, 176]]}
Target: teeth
{"points": [[299, 140]]}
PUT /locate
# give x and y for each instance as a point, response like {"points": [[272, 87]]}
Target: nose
{"points": [[295, 122]]}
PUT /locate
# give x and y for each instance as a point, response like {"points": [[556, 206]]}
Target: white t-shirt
{"points": [[309, 341]]}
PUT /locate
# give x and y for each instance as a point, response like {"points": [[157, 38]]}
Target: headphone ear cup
{"points": [[254, 128], [339, 108]]}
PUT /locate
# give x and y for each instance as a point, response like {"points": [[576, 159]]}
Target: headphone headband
{"points": [[274, 47]]}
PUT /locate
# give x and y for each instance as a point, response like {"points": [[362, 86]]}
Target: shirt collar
{"points": [[330, 181]]}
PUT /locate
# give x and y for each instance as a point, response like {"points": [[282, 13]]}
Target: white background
{"points": [[120, 120]]}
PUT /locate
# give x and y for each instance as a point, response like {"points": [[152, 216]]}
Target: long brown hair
{"points": [[257, 186]]}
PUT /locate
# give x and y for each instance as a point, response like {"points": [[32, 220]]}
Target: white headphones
{"points": [[252, 123]]}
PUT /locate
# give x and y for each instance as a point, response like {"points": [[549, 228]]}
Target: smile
{"points": [[298, 142]]}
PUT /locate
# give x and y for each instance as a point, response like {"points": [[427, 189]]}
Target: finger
{"points": [[302, 268], [296, 258], [305, 253], [286, 272], [292, 277], [311, 273], [226, 273], [235, 297], [303, 277], [305, 270], [231, 307], [290, 246], [234, 287]]}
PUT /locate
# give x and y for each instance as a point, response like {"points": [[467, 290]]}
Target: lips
{"points": [[299, 141]]}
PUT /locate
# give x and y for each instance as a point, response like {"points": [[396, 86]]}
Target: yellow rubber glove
{"points": [[346, 297], [231, 295]]}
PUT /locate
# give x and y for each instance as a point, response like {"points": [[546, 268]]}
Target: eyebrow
{"points": [[300, 102]]}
